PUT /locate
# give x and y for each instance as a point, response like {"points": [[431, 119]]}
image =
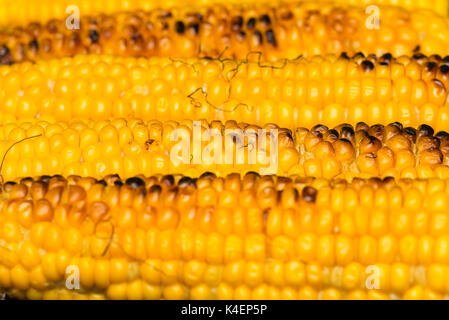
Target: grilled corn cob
{"points": [[21, 12], [294, 93], [227, 238], [228, 31], [129, 147]]}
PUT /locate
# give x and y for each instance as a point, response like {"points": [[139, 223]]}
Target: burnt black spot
{"points": [[241, 35], [436, 57], [383, 63], [168, 180], [417, 48], [309, 194], [184, 181], [359, 55], [319, 128], [94, 36], [180, 27], [136, 37], [33, 45], [344, 55], [26, 179], [333, 133], [431, 65], [135, 182], [237, 23], [155, 188], [194, 28], [367, 65], [345, 140], [387, 57], [425, 130], [102, 182], [442, 135], [347, 132], [118, 183], [251, 23], [270, 37], [396, 124], [45, 178], [57, 176], [388, 179], [252, 173], [4, 51], [411, 131], [446, 59], [287, 15], [444, 69], [418, 56], [208, 174], [265, 19], [258, 36], [10, 183], [372, 139]]}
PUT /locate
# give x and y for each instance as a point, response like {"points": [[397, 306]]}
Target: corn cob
{"points": [[259, 237], [131, 147], [22, 12], [285, 31], [294, 93]]}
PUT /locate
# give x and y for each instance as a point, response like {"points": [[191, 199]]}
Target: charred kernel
{"points": [[367, 65], [396, 124], [431, 65], [194, 28], [446, 59], [34, 45], [265, 19], [102, 182], [208, 174], [251, 23], [237, 23], [135, 182], [387, 57], [184, 181], [94, 36], [344, 55], [136, 37], [442, 135], [118, 183], [319, 128], [383, 63], [347, 133], [45, 178], [425, 130], [287, 15], [309, 194], [419, 56], [444, 69], [359, 55], [241, 35], [333, 134], [411, 132], [417, 48], [4, 51], [270, 37], [436, 57], [155, 188], [168, 180], [180, 27]]}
